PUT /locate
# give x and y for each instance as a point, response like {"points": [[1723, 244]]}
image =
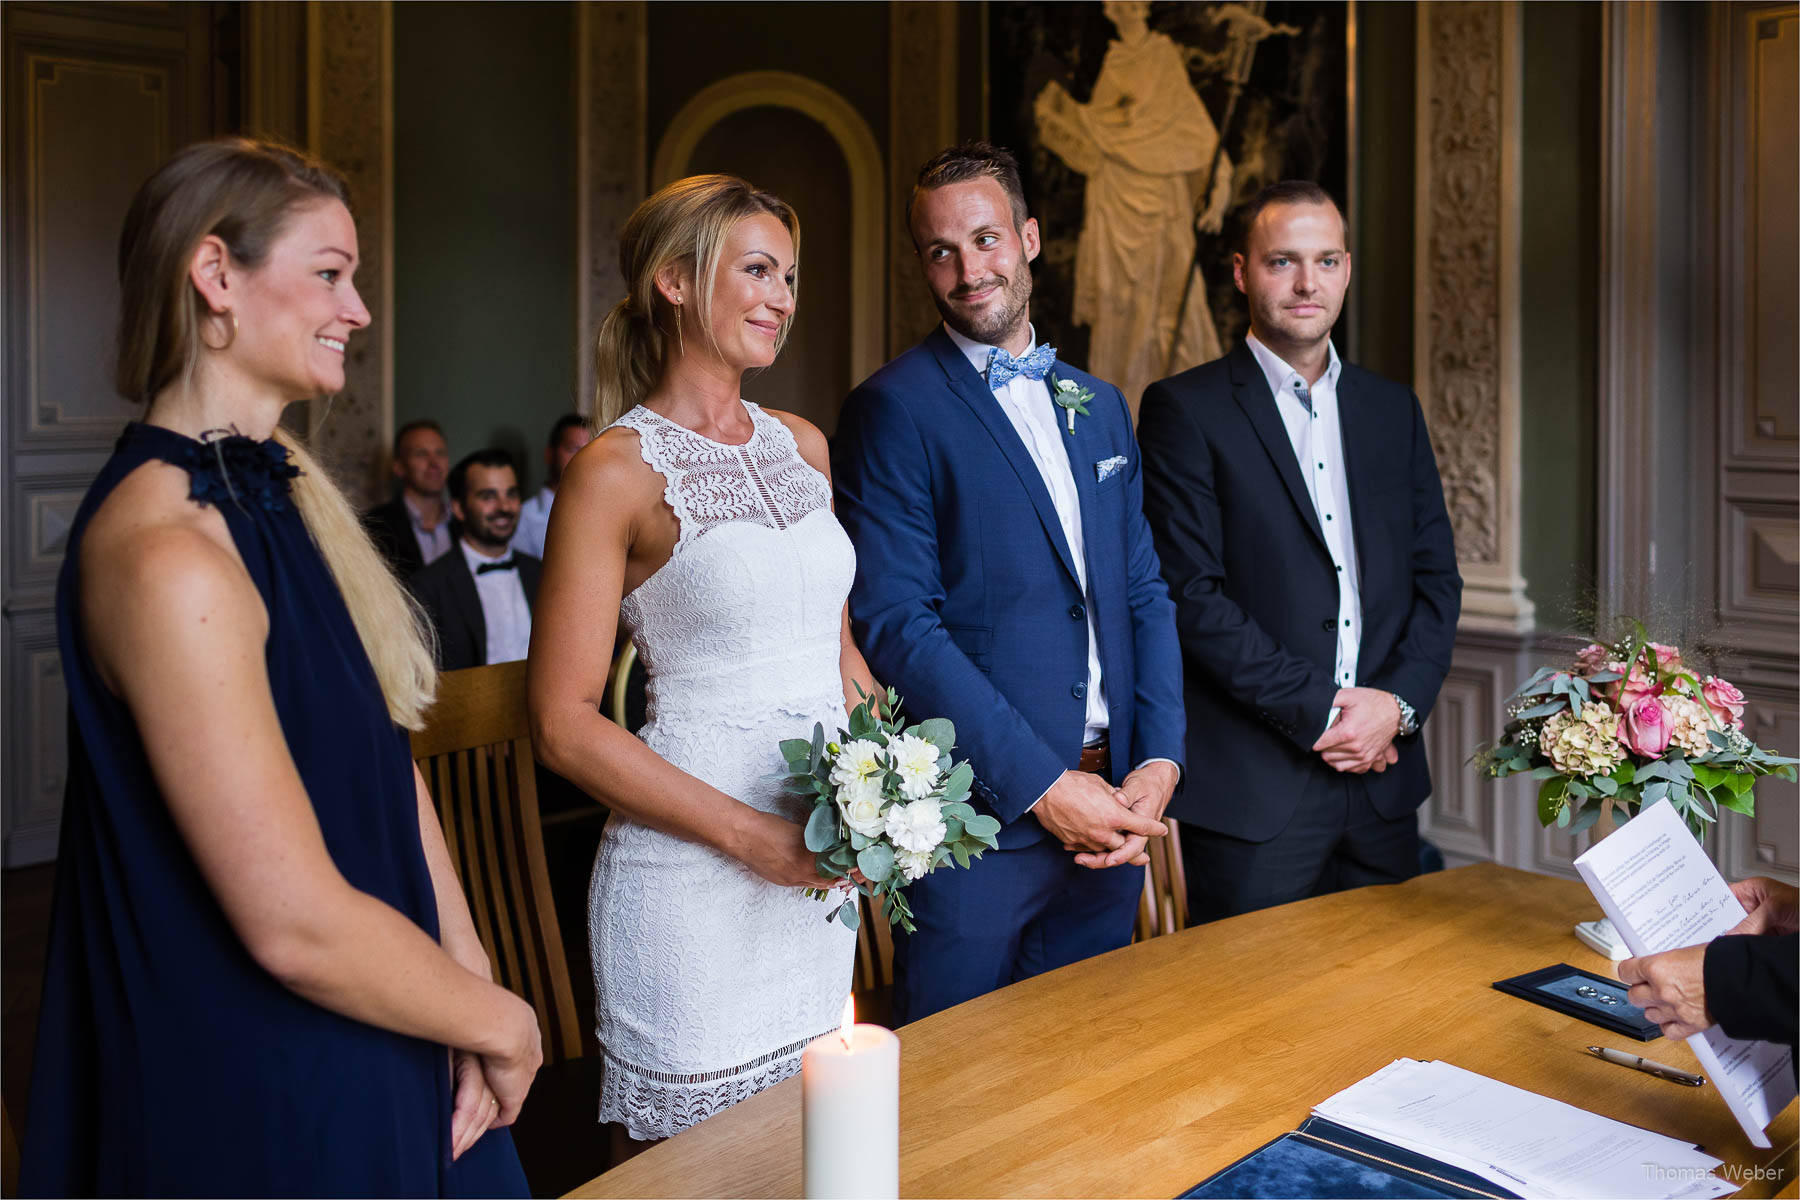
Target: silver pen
{"points": [[1660, 1070]]}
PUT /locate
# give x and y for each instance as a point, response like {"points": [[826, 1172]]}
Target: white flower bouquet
{"points": [[887, 802]]}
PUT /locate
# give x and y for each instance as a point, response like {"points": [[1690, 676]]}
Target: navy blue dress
{"points": [[169, 1062]]}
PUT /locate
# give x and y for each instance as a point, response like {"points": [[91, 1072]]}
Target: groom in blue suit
{"points": [[1006, 579]]}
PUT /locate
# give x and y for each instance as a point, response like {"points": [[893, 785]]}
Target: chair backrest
{"points": [[1163, 907], [475, 754], [873, 980], [616, 691]]}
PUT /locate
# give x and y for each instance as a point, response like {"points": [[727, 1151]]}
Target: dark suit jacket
{"points": [[967, 601], [447, 590], [1752, 985], [390, 527], [1256, 592]]}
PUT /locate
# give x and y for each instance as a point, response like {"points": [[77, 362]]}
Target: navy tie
{"points": [[1003, 368]]}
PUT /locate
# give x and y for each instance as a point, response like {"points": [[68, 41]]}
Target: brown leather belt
{"points": [[1096, 759]]}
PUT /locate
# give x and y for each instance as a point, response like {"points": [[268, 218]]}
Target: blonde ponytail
{"points": [[393, 628], [628, 357]]}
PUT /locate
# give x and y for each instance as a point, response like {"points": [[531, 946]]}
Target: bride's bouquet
{"points": [[888, 802]]}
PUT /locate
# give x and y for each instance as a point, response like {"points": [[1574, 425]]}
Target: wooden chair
{"points": [[475, 754], [873, 980], [1163, 907], [623, 663]]}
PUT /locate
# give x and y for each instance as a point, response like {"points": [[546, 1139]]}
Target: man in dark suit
{"points": [[414, 528], [1006, 580], [479, 596], [1301, 527]]}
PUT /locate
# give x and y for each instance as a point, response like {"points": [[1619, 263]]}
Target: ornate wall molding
{"points": [[350, 94], [610, 80], [1466, 326], [862, 155], [922, 119]]}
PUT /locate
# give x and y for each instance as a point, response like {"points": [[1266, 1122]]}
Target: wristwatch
{"points": [[1409, 720]]}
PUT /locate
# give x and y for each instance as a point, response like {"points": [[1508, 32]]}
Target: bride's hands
{"points": [[776, 850]]}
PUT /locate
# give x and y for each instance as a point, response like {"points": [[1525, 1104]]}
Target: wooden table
{"points": [[1143, 1071]]}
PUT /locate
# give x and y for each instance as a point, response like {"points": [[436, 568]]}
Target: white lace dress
{"points": [[709, 981]]}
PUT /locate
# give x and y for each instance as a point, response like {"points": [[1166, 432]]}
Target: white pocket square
{"points": [[1106, 468]]}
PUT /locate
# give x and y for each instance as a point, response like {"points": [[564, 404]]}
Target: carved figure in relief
{"points": [[1145, 142]]}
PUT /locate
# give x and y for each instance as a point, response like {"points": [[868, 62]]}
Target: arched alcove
{"points": [[866, 277]]}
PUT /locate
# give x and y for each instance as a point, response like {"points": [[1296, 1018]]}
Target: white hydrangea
{"points": [[917, 762], [918, 827], [859, 801], [912, 863]]}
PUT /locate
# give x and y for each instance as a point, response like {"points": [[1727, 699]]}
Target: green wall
{"points": [[1380, 316], [1559, 270], [484, 222], [1560, 317]]}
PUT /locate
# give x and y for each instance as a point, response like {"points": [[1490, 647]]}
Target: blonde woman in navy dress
{"points": [[262, 976]]}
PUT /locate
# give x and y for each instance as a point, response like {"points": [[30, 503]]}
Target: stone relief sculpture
{"points": [[1157, 173], [1146, 145]]}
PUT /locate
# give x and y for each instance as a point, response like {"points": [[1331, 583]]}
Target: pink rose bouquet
{"points": [[1628, 723]]}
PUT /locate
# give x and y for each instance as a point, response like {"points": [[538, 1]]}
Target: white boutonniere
{"points": [[1071, 397]]}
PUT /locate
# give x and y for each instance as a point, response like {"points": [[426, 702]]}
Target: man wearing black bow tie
{"points": [[479, 596]]}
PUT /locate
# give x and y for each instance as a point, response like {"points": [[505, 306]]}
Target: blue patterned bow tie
{"points": [[1003, 368]]}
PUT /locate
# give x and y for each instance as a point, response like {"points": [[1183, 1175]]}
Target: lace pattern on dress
{"points": [[651, 1110], [765, 481]]}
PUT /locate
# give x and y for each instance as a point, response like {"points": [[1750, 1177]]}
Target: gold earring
{"points": [[234, 331]]}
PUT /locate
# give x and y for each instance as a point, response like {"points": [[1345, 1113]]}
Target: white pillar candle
{"points": [[850, 1082]]}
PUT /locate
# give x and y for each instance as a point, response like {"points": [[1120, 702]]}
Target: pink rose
{"points": [[1626, 693], [1668, 658], [1726, 702], [1645, 729], [1591, 659]]}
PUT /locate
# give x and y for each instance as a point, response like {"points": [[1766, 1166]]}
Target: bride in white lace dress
{"points": [[703, 524]]}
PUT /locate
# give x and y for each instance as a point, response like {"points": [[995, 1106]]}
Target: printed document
{"points": [[1523, 1142], [1661, 892]]}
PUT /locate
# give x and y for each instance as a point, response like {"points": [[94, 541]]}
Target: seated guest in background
{"points": [[1302, 529], [570, 433], [479, 596], [414, 528], [259, 950], [1747, 982]]}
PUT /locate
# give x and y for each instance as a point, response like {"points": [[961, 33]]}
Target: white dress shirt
{"points": [[534, 521], [503, 607], [1318, 441]]}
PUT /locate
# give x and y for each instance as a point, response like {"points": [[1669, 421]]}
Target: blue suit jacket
{"points": [[966, 599]]}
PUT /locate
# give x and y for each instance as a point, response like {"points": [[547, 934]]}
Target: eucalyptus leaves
{"points": [[888, 802]]}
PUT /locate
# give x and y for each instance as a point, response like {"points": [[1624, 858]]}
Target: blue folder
{"points": [[1325, 1160]]}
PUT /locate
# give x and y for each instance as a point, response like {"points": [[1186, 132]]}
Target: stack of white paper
{"points": [[1662, 893], [1521, 1141]]}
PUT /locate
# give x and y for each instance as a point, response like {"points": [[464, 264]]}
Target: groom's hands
{"points": [[1086, 814], [1146, 791]]}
